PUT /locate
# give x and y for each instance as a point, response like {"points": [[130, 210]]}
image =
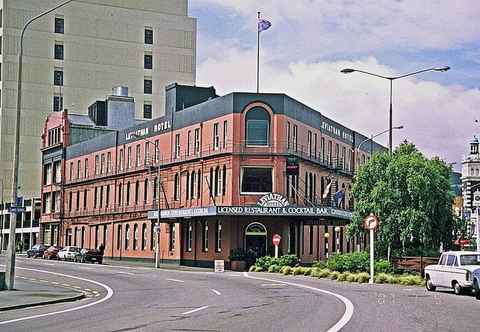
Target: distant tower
{"points": [[471, 183]]}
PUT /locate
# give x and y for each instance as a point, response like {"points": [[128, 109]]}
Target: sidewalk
{"points": [[29, 294], [135, 263]]}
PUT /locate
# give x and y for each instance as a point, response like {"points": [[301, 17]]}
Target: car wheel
{"points": [[457, 288], [429, 285]]}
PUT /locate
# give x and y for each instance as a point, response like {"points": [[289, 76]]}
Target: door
{"points": [[256, 239]]}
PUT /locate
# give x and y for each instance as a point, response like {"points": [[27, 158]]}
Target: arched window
{"points": [[144, 236], [255, 228], [145, 191], [135, 236], [176, 188], [257, 127], [224, 180], [137, 191], [192, 185], [216, 181], [199, 183], [127, 235]]}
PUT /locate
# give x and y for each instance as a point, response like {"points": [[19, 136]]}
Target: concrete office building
{"points": [[226, 172], [76, 55]]}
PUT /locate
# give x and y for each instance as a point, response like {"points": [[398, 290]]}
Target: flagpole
{"points": [[258, 53]]}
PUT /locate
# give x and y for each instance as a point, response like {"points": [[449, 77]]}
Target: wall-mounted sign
{"points": [[272, 200], [292, 166]]}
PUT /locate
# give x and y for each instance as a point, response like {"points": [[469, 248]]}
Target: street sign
{"points": [[276, 239], [219, 265], [16, 209], [370, 222]]}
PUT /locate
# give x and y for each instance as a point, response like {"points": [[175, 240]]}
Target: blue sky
{"points": [[310, 41]]}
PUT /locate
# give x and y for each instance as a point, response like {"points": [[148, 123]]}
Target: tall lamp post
{"points": [[391, 79], [371, 140], [10, 261]]}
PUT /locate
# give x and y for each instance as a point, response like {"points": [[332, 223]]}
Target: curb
{"points": [[34, 304]]}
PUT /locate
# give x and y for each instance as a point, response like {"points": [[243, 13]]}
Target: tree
{"points": [[411, 196]]}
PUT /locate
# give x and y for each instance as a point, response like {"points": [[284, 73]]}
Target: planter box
{"points": [[239, 266]]}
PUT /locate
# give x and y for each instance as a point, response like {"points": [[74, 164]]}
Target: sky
{"points": [[310, 41]]}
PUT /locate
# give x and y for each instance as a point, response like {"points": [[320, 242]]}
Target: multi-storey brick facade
{"points": [[205, 165]]}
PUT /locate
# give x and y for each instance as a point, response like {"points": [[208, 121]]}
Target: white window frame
{"points": [[255, 193]]}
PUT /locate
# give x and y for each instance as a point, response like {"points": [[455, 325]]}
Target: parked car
{"points": [[68, 253], [456, 270], [51, 253], [89, 255], [36, 251]]}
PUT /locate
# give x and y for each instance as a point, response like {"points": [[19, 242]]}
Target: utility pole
{"points": [[10, 260]]}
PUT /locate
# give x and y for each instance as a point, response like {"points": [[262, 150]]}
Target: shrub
{"points": [[258, 269], [343, 276], [410, 280], [363, 277], [381, 278], [320, 265], [353, 262], [288, 260], [324, 273], [334, 275], [352, 277], [252, 268], [287, 270], [266, 261], [307, 271], [383, 266], [315, 272], [273, 268], [298, 270]]}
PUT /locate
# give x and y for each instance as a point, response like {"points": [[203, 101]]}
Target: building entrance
{"points": [[256, 239]]}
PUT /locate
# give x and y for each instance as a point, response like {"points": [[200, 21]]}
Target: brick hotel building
{"points": [[224, 172]]}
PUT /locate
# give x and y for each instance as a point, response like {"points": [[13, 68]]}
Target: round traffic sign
{"points": [[276, 239], [370, 222]]}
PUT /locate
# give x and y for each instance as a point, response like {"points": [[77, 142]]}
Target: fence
{"points": [[413, 263]]}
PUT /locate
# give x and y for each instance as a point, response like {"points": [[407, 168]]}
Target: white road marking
{"points": [[103, 299], [195, 310], [129, 273], [270, 285], [216, 291], [175, 280], [347, 315]]}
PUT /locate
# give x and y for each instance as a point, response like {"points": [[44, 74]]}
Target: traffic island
{"points": [[30, 295]]}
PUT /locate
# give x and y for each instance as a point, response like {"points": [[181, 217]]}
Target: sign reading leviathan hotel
{"points": [[269, 205]]}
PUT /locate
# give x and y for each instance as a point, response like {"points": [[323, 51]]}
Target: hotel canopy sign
{"points": [[269, 205]]}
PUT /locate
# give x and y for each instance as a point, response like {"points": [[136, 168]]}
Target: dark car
{"points": [[36, 251], [51, 253], [89, 255]]}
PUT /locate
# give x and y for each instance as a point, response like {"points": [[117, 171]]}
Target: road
{"points": [[142, 299]]}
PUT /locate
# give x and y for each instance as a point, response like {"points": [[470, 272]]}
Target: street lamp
{"points": [[391, 79], [10, 260], [157, 226], [371, 139]]}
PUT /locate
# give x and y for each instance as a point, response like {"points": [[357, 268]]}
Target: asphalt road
{"points": [[142, 299]]}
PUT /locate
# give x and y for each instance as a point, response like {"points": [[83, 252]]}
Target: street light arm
{"points": [[371, 138], [418, 72], [368, 73]]}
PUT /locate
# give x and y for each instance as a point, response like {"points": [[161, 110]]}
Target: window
{"points": [[197, 141], [309, 143], [47, 174], [57, 103], [101, 196], [146, 154], [147, 61], [85, 196], [119, 236], [295, 137], [109, 162], [70, 175], [257, 127], [256, 180], [120, 194], [187, 186], [171, 242], [147, 111], [155, 188], [451, 260], [216, 137], [107, 196], [135, 236], [127, 235], [192, 185], [58, 77], [129, 157], [157, 155], [137, 189], [225, 133], [70, 201], [145, 191], [189, 236], [322, 147], [95, 196], [288, 135], [78, 169], [102, 163], [315, 145], [85, 168], [59, 25], [128, 194], [310, 251], [199, 183], [58, 51], [57, 171], [144, 236], [176, 188], [216, 186], [224, 180], [137, 155], [205, 236], [96, 236], [149, 36], [96, 165], [147, 86], [177, 146], [218, 236], [189, 138], [329, 152]]}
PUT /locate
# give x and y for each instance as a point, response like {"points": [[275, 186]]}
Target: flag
{"points": [[263, 25], [327, 190], [340, 195]]}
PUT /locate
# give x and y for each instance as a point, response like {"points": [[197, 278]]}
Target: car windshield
{"points": [[470, 259]]}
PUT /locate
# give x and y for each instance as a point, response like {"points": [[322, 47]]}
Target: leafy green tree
{"points": [[411, 196]]}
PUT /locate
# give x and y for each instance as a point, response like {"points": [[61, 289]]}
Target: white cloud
{"points": [[438, 118], [327, 26]]}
